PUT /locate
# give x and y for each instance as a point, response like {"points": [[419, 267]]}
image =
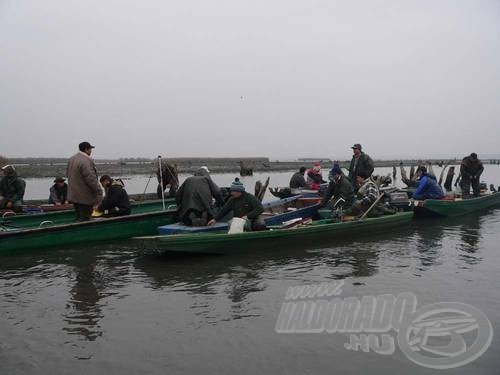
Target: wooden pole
{"points": [[371, 207], [161, 179]]}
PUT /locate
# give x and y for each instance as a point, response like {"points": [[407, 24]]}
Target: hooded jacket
{"points": [[428, 188]]}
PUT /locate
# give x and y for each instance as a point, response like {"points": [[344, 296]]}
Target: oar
{"points": [[371, 207]]}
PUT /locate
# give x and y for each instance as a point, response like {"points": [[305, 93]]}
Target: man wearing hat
{"points": [[243, 205], [83, 186], [195, 198], [471, 169], [11, 189], [339, 190], [59, 192], [360, 163]]}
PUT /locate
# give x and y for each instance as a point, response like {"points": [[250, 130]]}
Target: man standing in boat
{"points": [[243, 205], [83, 186], [195, 198], [360, 163], [116, 202], [471, 170]]}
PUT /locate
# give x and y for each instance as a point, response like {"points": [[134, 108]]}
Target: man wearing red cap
{"points": [[314, 178]]}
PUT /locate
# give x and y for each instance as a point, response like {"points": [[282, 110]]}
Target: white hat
{"points": [[205, 168]]}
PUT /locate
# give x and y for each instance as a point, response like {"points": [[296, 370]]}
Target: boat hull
{"points": [[38, 231], [222, 243], [436, 207]]}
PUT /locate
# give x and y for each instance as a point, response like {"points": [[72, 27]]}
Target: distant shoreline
{"points": [[44, 167]]}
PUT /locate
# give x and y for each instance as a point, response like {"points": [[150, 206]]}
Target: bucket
{"points": [[237, 225]]}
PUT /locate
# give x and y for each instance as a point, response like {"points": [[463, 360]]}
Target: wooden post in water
{"points": [[449, 178]]}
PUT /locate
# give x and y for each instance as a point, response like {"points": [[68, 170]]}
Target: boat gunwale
{"points": [[84, 224], [193, 238]]}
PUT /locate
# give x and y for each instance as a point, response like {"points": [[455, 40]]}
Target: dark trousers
{"points": [[466, 183], [83, 212], [196, 218]]}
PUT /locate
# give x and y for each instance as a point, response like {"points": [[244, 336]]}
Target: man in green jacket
{"points": [[339, 188], [11, 189], [360, 163], [471, 169], [243, 205]]}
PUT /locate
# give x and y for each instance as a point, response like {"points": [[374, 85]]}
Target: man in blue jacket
{"points": [[428, 187]]}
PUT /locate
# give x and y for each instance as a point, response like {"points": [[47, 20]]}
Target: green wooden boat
{"points": [[223, 243], [443, 207], [28, 232]]}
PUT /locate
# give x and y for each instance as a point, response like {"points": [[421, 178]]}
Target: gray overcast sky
{"points": [[278, 78]]}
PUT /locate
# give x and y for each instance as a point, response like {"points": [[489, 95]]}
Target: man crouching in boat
{"points": [[243, 205], [428, 187], [116, 202], [339, 189], [11, 189], [195, 199], [367, 195]]}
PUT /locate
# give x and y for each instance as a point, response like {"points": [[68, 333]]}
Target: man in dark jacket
{"points": [[195, 199], [471, 170], [298, 181], [83, 186], [360, 163], [116, 202], [428, 187], [59, 192], [243, 205], [339, 188], [11, 189]]}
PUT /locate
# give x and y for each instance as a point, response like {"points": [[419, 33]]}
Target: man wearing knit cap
{"points": [[339, 188], [11, 189], [360, 163], [243, 205]]}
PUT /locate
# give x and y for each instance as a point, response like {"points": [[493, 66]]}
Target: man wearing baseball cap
{"points": [[83, 186], [360, 163]]}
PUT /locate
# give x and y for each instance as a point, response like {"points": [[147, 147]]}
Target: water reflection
{"points": [[459, 237], [97, 274]]}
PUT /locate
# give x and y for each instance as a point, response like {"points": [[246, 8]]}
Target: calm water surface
{"points": [[115, 309]]}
